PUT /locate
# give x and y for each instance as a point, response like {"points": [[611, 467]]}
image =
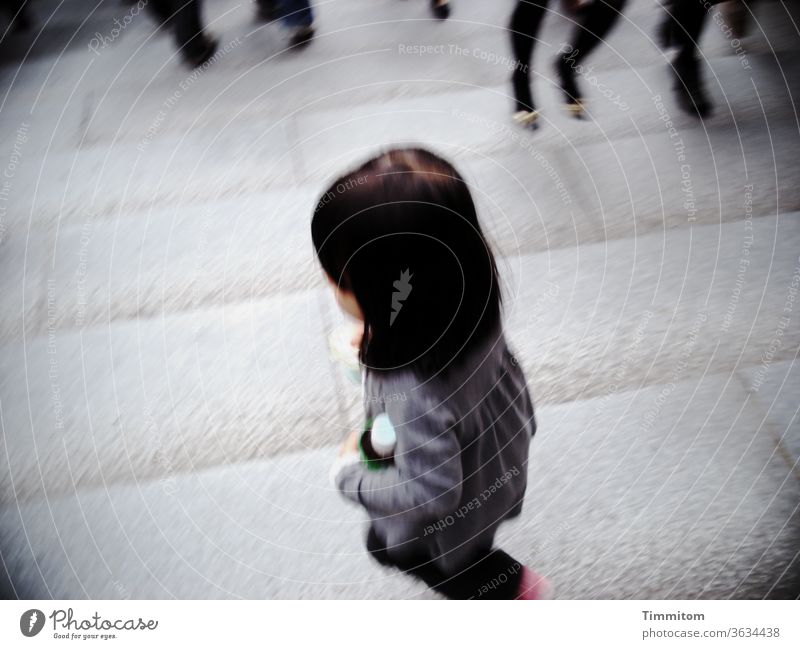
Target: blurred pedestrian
{"points": [[594, 20], [436, 370], [296, 15], [184, 17], [440, 8], [682, 28]]}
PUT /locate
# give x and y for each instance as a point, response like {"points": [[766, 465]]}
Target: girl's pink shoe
{"points": [[534, 586]]}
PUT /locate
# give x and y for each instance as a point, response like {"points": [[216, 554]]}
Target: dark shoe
{"points": [[689, 88], [205, 51], [301, 36], [440, 8]]}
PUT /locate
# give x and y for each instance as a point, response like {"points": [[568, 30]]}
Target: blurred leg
{"points": [[525, 23], [197, 48], [161, 10], [185, 19], [295, 13], [596, 20], [688, 18], [17, 12], [492, 575]]}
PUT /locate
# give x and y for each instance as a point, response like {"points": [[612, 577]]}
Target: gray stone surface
{"points": [[251, 377], [144, 398], [676, 494], [167, 403], [652, 309], [774, 386]]}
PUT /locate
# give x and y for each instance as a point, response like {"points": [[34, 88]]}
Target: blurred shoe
{"points": [[527, 119], [534, 586], [569, 88], [208, 48], [689, 91], [440, 8], [301, 36]]}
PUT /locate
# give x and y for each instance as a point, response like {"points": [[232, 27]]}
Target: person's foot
{"points": [[569, 88], [440, 8], [534, 586], [689, 89], [525, 113], [527, 119], [206, 49], [301, 36]]}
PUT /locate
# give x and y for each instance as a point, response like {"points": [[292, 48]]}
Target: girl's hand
{"points": [[356, 335], [348, 455], [350, 445]]}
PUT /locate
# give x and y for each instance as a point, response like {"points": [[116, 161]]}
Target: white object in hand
{"points": [[382, 437]]}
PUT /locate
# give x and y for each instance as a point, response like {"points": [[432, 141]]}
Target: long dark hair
{"points": [[401, 232]]}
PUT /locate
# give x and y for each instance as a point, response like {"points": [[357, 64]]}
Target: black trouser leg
{"points": [[687, 22], [688, 18], [597, 19], [491, 575], [185, 19], [189, 28], [525, 22], [161, 10]]}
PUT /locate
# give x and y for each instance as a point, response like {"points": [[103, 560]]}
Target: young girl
{"points": [[400, 242]]}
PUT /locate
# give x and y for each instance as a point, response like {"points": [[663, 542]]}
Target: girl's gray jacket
{"points": [[460, 464]]}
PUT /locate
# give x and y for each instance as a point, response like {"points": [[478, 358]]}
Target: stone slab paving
{"points": [[167, 403], [176, 390], [697, 504]]}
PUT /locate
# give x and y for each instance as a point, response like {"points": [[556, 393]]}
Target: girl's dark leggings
{"points": [[492, 575], [594, 22]]}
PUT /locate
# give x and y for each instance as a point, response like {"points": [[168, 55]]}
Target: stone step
{"points": [[139, 398], [693, 502], [169, 258], [136, 399], [220, 100], [190, 252], [211, 149], [348, 28], [655, 308]]}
